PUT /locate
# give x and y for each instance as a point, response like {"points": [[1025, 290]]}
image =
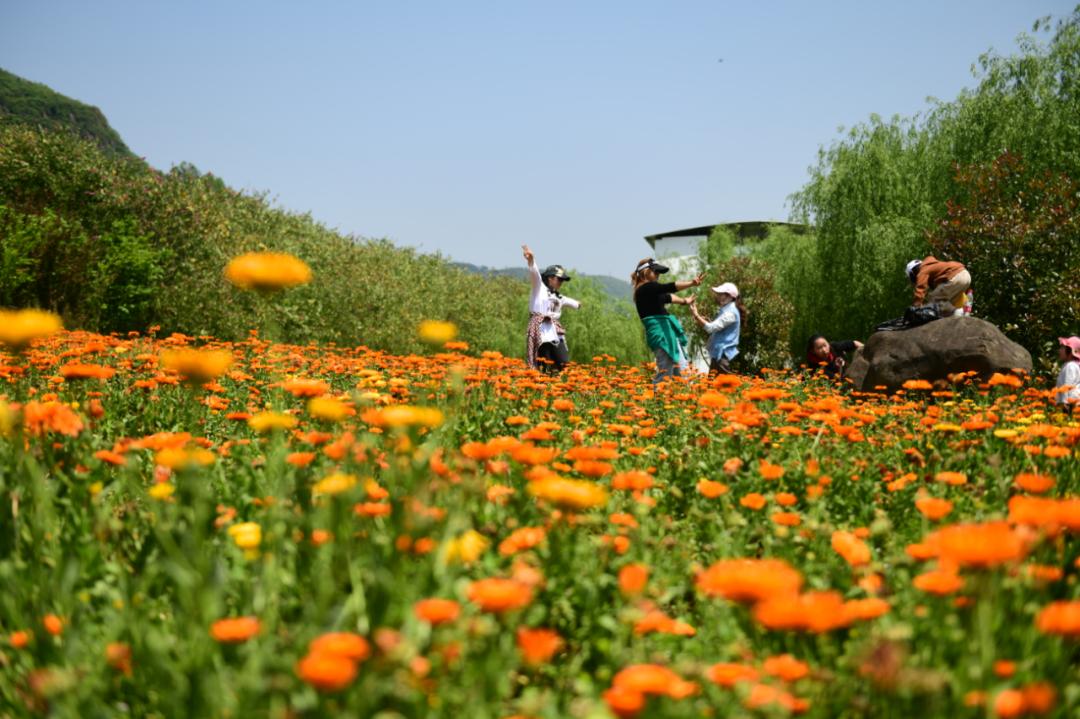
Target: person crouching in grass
{"points": [[663, 332]]}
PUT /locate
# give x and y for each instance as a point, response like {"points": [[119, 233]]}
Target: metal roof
{"points": [[743, 230]]}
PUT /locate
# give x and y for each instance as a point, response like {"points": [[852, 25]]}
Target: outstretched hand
{"points": [[697, 280], [527, 253]]}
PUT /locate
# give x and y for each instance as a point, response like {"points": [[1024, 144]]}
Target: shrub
{"points": [[1019, 235]]}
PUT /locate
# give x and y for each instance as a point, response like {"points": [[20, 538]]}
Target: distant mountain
{"points": [[32, 103], [619, 289]]}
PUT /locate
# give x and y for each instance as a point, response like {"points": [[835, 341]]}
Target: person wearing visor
{"points": [[663, 332], [723, 345], [545, 338]]}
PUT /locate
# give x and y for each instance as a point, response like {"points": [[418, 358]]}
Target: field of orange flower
{"points": [[198, 528]]}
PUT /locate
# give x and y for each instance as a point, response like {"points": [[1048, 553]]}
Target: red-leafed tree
{"points": [[1018, 232]]}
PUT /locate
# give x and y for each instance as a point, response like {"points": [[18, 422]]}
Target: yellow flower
{"points": [[435, 332], [7, 419], [327, 409], [268, 421], [1005, 433], [569, 493], [467, 548], [266, 271], [180, 458], [947, 427], [248, 536], [19, 328], [335, 484], [198, 366], [161, 491], [401, 415]]}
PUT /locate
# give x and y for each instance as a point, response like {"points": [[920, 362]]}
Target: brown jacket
{"points": [[932, 273]]}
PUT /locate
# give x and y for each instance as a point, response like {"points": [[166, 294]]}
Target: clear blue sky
{"points": [[469, 128]]}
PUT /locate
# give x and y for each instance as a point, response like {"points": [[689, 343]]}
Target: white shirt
{"points": [[545, 302], [1069, 375]]}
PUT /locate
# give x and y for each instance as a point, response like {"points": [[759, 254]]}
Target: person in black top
{"points": [[663, 332], [829, 356]]}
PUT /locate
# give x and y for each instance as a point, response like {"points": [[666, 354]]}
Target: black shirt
{"points": [[651, 297]]}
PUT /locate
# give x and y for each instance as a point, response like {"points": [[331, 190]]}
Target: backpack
{"points": [[913, 317]]}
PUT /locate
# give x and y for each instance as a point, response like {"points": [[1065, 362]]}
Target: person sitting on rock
{"points": [[1069, 354], [939, 284], [829, 356]]}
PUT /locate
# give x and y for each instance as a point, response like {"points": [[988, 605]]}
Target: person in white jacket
{"points": [[1069, 377], [545, 338]]}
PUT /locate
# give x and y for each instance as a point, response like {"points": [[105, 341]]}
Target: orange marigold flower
{"points": [[1039, 697], [710, 489], [20, 639], [862, 610], [52, 416], [728, 674], [653, 679], [917, 384], [1061, 617], [732, 465], [785, 667], [326, 672], [956, 479], [76, 370], [939, 581], [632, 579], [753, 500], [749, 580], [437, 611], [1004, 380], [770, 471], [785, 499], [1034, 483], [1004, 668], [521, 539], [538, 645], [1009, 702], [764, 695], [633, 480], [787, 519], [854, 551], [980, 545], [118, 656], [53, 624], [933, 508], [499, 595], [657, 621], [235, 629], [592, 468], [344, 644], [812, 611]]}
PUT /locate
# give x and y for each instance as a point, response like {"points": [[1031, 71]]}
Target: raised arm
{"points": [[681, 285], [534, 271]]}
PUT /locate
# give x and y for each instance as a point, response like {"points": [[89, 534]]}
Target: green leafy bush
{"points": [[1019, 235]]}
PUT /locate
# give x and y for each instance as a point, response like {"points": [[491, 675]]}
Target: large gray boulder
{"points": [[933, 351]]}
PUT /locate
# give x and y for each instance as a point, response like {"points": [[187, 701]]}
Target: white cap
{"points": [[727, 288]]}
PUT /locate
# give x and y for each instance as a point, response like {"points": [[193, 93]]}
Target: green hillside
{"points": [[37, 105], [618, 289]]}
